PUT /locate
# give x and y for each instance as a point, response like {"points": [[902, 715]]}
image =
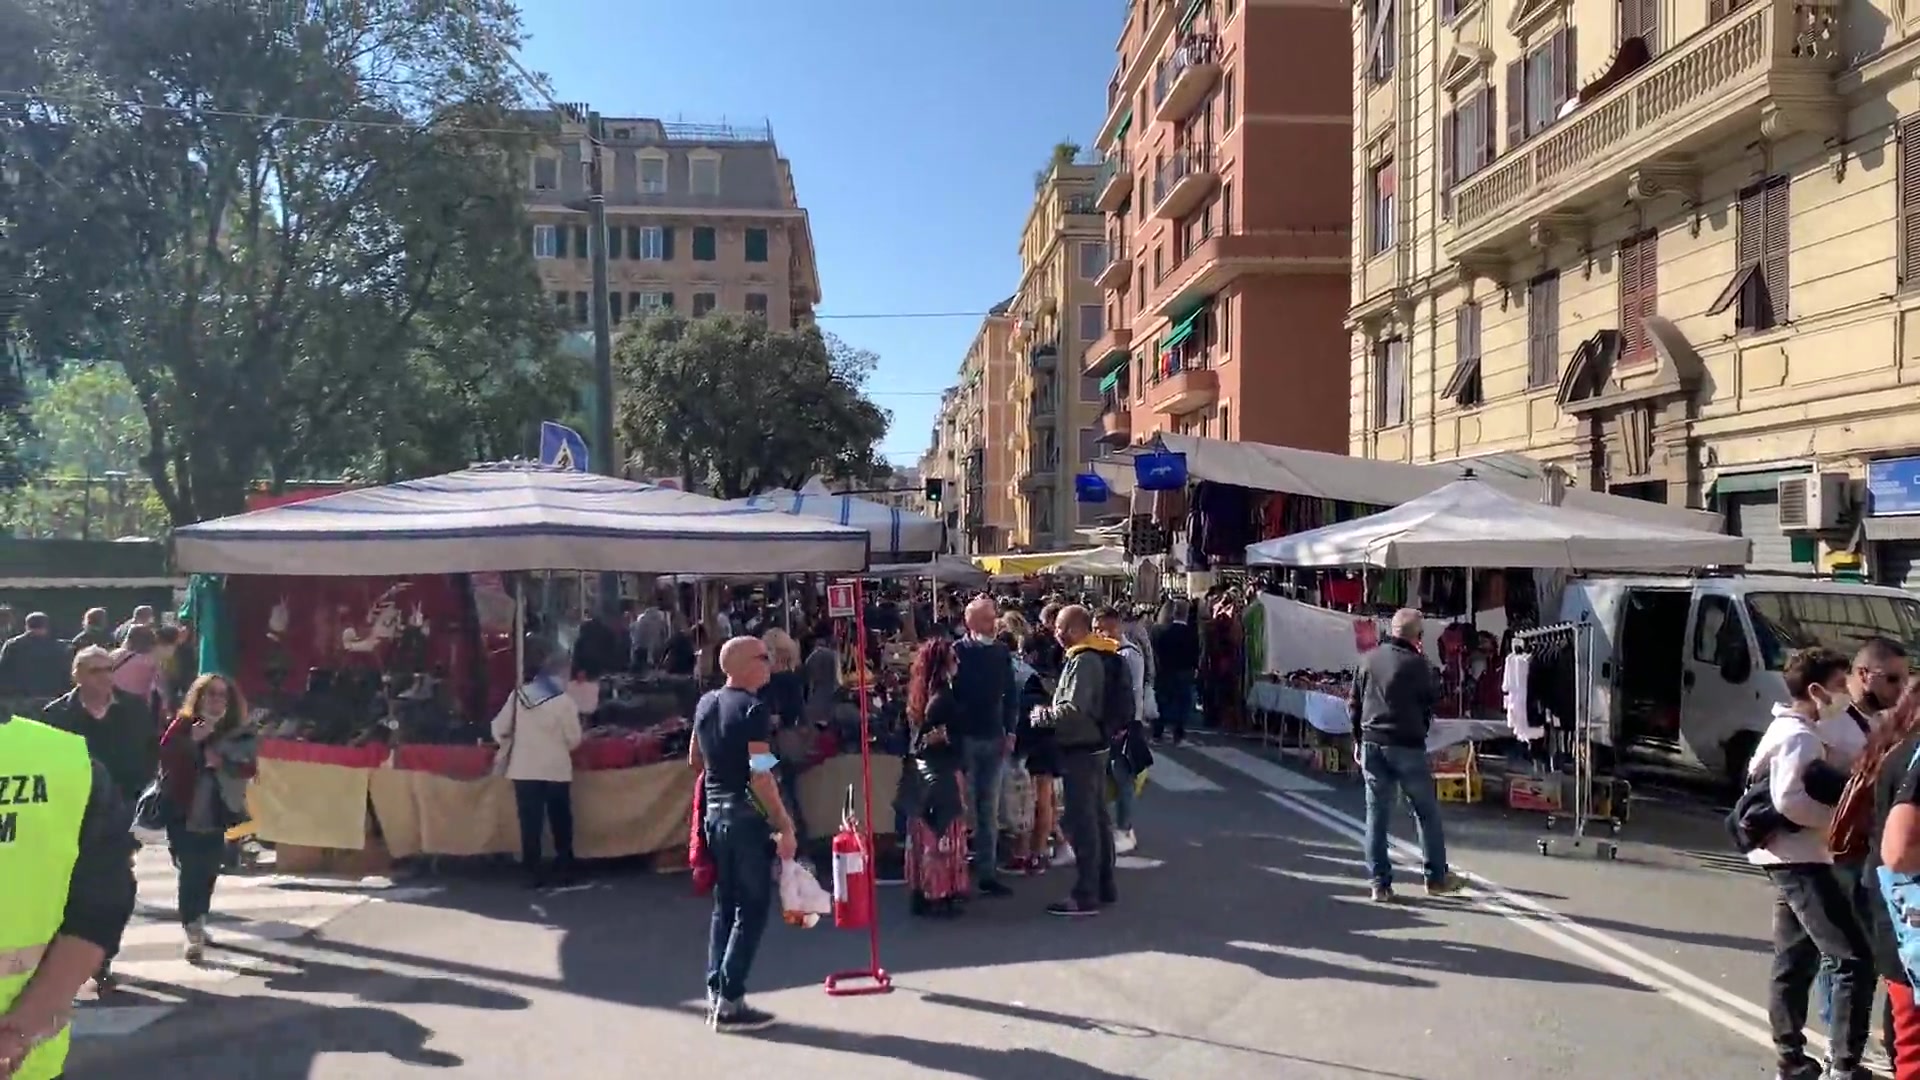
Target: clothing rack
{"points": [[1578, 740]]}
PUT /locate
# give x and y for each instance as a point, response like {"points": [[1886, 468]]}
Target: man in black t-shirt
{"points": [[1897, 788], [746, 826]]}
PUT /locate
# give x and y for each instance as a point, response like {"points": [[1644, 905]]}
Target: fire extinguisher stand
{"points": [[872, 979]]}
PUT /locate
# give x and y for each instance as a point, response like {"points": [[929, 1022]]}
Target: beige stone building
{"points": [[1058, 315], [700, 218], [971, 447], [1669, 245]]}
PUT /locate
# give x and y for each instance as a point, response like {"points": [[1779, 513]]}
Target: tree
{"points": [[1065, 152], [724, 401], [298, 228], [81, 461]]}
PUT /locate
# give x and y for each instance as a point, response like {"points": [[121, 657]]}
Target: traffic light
{"points": [[935, 488]]}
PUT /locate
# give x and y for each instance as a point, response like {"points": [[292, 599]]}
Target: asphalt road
{"points": [[1243, 941]]}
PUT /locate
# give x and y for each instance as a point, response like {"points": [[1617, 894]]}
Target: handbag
{"points": [[150, 809], [1848, 834]]}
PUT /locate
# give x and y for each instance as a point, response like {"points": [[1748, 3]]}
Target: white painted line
{"points": [[158, 903], [1682, 988], [1173, 776], [1276, 777], [1137, 862], [115, 1021], [147, 933]]}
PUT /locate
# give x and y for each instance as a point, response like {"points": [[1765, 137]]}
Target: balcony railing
{"points": [[1763, 71], [1113, 182], [1044, 355], [1182, 181], [1081, 204], [1185, 76]]}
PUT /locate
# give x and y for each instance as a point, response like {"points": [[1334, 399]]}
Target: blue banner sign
{"points": [[561, 445], [1894, 485]]}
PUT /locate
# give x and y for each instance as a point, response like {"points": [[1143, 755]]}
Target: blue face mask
{"points": [[762, 763]]}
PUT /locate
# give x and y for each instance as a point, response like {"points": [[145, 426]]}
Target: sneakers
{"points": [[1063, 855], [1073, 909], [1124, 841], [1804, 1068], [1451, 885], [1382, 894], [739, 1018], [196, 941]]}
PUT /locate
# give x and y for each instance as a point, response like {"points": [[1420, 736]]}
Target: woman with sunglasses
{"points": [[206, 758]]}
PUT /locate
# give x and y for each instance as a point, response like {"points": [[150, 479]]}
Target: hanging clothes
{"points": [[1514, 685]]}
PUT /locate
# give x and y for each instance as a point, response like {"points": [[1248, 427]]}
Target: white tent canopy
{"points": [[1472, 523], [1319, 475], [947, 570], [897, 536], [1099, 562], [516, 516]]}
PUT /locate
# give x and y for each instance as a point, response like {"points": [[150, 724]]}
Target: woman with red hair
{"points": [[936, 839], [1891, 762]]}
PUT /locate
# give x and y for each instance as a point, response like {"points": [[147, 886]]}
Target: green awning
{"points": [[1748, 483], [1125, 123], [1192, 13], [1112, 379], [1182, 330]]}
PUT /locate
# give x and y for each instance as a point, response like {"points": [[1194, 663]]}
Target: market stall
{"points": [[379, 666], [895, 536]]}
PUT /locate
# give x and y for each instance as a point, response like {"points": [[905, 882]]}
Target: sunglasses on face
{"points": [[95, 670]]}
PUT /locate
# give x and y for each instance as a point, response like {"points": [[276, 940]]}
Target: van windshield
{"points": [[1785, 621]]}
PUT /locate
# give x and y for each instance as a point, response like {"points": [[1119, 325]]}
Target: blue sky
{"points": [[914, 130]]}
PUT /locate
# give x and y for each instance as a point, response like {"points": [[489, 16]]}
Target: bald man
{"points": [[746, 826], [989, 701], [1394, 694]]}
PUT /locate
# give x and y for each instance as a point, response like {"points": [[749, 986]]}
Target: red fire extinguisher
{"points": [[852, 874]]}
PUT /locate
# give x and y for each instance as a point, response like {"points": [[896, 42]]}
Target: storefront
{"points": [[1751, 503], [1893, 521]]}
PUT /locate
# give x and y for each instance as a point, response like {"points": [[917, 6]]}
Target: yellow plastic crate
{"points": [[1459, 787]]}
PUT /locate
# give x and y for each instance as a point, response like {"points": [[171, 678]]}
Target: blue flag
{"points": [[561, 445]]}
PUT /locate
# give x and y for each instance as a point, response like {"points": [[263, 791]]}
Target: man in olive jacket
{"points": [[1079, 699]]}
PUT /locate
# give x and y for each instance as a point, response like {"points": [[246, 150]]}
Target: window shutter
{"points": [[666, 244], [1773, 264], [579, 241], [1749, 231], [633, 241], [1564, 77], [1650, 25], [666, 299], [1629, 274], [1716, 10], [560, 241], [1449, 159], [1908, 166], [1646, 291], [1516, 103], [615, 244], [1627, 15]]}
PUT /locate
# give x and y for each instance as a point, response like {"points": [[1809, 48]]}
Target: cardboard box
{"points": [[1537, 794]]}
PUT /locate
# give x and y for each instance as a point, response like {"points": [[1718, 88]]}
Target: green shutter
{"points": [[666, 244], [614, 244], [560, 241], [1126, 122], [1183, 329], [1112, 379], [579, 241], [1192, 13]]}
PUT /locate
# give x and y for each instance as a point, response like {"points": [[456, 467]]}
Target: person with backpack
{"points": [[1091, 704], [1129, 755]]}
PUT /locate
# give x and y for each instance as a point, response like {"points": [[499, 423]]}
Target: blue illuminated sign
{"points": [[1894, 485]]}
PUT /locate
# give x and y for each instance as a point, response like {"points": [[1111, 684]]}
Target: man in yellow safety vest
{"points": [[68, 889]]}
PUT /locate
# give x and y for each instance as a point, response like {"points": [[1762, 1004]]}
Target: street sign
{"points": [[840, 600], [562, 446]]}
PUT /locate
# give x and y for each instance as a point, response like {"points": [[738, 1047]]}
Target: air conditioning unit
{"points": [[1812, 502]]}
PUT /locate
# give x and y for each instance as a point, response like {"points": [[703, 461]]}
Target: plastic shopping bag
{"points": [[1016, 800], [802, 900]]}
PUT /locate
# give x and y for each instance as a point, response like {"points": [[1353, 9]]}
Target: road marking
{"points": [[1173, 776], [117, 1022], [1690, 992], [1137, 862], [1274, 776]]}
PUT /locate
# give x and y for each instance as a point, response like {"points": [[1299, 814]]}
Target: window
{"points": [[704, 247], [1093, 258], [1760, 243], [703, 302], [650, 242], [1226, 422], [703, 175], [1223, 321], [580, 308], [1543, 331], [1380, 42], [653, 175], [545, 242], [756, 245], [1466, 144], [1090, 388], [1159, 265], [615, 245], [1637, 19], [757, 304], [562, 300], [1380, 208], [1907, 169], [579, 241], [1089, 447], [1226, 102], [1449, 9], [1463, 389], [546, 173], [1389, 383], [1711, 621], [1538, 85], [1092, 323], [613, 306], [1226, 208], [1639, 292], [1785, 621]]}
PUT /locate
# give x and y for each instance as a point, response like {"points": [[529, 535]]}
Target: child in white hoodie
{"points": [[1814, 918]]}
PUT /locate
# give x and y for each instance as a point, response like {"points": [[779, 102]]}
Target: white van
{"points": [[1687, 669]]}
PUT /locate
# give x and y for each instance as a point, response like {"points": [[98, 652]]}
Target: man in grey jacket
{"points": [[1394, 694], [1079, 703]]}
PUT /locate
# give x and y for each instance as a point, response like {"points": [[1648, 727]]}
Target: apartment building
{"points": [[988, 372], [1058, 314], [1668, 245], [700, 218], [1227, 236]]}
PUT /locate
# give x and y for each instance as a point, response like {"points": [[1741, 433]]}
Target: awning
{"points": [[1125, 123], [1749, 483], [1885, 529], [1182, 330], [1193, 12], [1111, 380]]}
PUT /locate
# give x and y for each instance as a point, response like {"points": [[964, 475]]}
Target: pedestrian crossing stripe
{"points": [[1173, 776], [1273, 776]]}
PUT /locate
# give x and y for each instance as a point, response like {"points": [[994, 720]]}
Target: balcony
{"points": [[1759, 74], [1190, 387], [1039, 474], [1185, 77], [1080, 204], [1107, 351], [1045, 356], [1182, 181], [1114, 183], [1116, 423], [1042, 411], [1113, 276], [1223, 257]]}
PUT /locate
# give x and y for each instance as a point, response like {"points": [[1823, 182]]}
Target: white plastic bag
{"points": [[1016, 800], [802, 900]]}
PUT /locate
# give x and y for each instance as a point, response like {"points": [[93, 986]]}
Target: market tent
{"points": [[947, 570], [1472, 523], [515, 516], [1100, 562], [1320, 475], [1033, 562], [896, 536]]}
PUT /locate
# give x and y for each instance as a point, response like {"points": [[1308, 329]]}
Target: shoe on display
{"points": [[1124, 841]]}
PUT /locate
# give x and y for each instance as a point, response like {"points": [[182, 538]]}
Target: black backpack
{"points": [[1116, 699]]}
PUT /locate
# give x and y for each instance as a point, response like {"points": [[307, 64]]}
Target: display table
{"points": [[1327, 714]]}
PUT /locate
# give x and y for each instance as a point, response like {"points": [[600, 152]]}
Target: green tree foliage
{"points": [[298, 229], [83, 460], [727, 403]]}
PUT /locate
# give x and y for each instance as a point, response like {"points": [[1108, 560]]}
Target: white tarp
{"points": [[516, 517], [1100, 562], [1319, 475], [947, 570], [1301, 637], [1472, 523], [896, 535]]}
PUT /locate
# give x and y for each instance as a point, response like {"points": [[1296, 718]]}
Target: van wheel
{"points": [[1739, 754]]}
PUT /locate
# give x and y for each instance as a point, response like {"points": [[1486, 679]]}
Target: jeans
{"points": [[1083, 773], [788, 777], [1815, 922], [1122, 774], [741, 844], [1850, 875], [198, 856], [1173, 693], [984, 761], [540, 803], [1401, 769]]}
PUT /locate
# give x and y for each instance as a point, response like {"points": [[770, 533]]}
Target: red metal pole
{"points": [[875, 979]]}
